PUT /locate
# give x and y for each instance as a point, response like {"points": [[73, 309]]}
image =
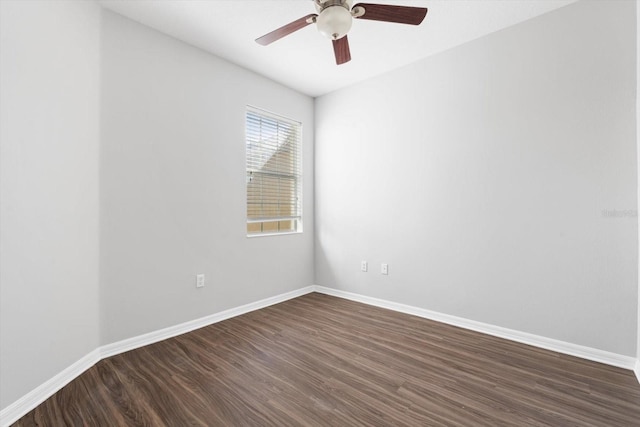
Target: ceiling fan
{"points": [[334, 19]]}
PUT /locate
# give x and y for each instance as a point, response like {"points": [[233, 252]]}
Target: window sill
{"points": [[283, 233]]}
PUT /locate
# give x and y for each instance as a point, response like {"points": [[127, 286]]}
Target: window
{"points": [[274, 183]]}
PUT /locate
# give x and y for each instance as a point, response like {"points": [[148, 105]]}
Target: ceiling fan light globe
{"points": [[334, 22]]}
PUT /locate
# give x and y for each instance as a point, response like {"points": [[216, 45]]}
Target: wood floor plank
{"points": [[323, 361]]}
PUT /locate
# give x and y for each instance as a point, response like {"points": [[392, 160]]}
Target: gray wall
{"points": [[173, 187], [481, 175], [49, 130]]}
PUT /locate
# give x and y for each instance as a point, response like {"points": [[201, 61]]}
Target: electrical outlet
{"points": [[384, 269], [364, 266], [200, 281]]}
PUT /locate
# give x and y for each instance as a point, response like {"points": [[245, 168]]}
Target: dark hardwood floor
{"points": [[324, 361]]}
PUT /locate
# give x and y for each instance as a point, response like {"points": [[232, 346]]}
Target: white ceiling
{"points": [[304, 60]]}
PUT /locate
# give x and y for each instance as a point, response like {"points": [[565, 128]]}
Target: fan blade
{"points": [[389, 13], [341, 50], [286, 29]]}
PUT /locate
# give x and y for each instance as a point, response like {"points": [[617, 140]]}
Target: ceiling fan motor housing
{"points": [[334, 18]]}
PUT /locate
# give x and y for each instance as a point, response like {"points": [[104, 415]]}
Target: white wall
{"points": [[481, 176], [120, 152], [514, 144], [173, 186], [637, 369], [49, 71]]}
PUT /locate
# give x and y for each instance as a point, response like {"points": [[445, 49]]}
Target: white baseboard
{"points": [[583, 352], [29, 401], [172, 331], [35, 397]]}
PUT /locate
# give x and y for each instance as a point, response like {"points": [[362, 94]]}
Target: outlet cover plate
{"points": [[200, 281]]}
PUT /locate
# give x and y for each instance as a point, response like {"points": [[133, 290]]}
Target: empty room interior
{"points": [[418, 213]]}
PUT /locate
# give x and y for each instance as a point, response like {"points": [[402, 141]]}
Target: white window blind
{"points": [[274, 186]]}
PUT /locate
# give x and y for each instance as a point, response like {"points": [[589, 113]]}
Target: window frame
{"points": [[298, 178]]}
